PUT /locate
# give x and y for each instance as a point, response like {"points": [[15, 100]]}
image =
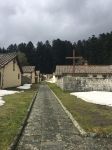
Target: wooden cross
{"points": [[74, 58]]}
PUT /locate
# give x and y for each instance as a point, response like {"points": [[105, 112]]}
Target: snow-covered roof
{"points": [[83, 69]]}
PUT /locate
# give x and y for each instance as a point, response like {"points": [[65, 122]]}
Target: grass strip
{"points": [[91, 117], [12, 115]]}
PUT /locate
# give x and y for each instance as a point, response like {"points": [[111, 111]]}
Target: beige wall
{"points": [[37, 76], [1, 77], [33, 77], [11, 78]]}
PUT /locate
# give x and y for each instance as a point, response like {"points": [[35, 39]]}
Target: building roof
{"points": [[83, 69], [28, 69], [5, 58]]}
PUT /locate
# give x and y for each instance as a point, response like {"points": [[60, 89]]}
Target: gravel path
{"points": [[49, 128]]}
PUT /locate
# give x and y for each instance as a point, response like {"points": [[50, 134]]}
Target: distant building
{"points": [[84, 78], [38, 79], [29, 74], [92, 71], [10, 70]]}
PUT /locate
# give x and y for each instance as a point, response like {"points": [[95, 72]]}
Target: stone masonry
{"points": [[78, 84]]}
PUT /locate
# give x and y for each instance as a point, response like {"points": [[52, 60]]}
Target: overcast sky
{"points": [[40, 20]]}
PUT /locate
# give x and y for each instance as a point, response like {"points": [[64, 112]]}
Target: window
{"points": [[14, 62]]}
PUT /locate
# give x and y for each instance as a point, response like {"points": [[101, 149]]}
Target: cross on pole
{"points": [[74, 58]]}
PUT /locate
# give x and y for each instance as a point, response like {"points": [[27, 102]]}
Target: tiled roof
{"points": [[5, 58], [28, 69], [83, 69]]}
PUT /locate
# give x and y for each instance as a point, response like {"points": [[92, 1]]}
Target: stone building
{"points": [[29, 74], [84, 78], [92, 71]]}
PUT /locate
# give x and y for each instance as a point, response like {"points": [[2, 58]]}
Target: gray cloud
{"points": [[36, 20]]}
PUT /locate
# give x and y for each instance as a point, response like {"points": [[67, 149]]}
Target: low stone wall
{"points": [[84, 84], [60, 83]]}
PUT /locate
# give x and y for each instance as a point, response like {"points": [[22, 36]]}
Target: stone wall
{"points": [[60, 83], [77, 84]]}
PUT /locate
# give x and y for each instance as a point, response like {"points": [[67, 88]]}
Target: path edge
{"points": [[15, 142], [75, 123]]}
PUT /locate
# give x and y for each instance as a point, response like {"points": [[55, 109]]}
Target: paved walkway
{"points": [[49, 128]]}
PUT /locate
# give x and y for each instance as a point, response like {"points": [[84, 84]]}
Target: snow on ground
{"points": [[25, 86], [52, 80], [1, 102], [3, 93], [97, 97]]}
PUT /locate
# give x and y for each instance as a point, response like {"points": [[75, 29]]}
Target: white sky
{"points": [[40, 20]]}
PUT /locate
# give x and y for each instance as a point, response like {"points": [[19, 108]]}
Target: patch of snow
{"points": [[97, 97], [52, 80], [25, 86], [1, 102], [5, 92]]}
